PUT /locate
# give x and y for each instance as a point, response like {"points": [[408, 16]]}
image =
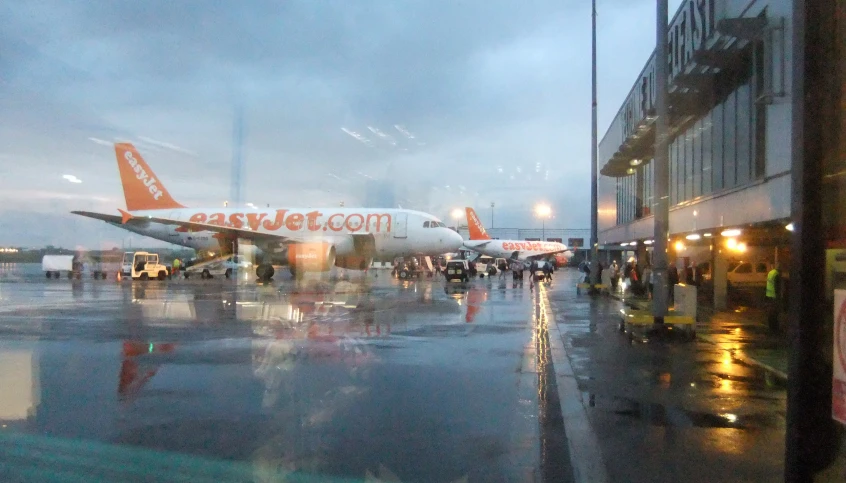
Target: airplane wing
{"points": [[99, 216], [476, 244], [228, 231]]}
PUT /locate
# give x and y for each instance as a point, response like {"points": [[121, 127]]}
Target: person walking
{"points": [[646, 277], [773, 295], [615, 275]]}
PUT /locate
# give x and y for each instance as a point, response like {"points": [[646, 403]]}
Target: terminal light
{"points": [[648, 242], [635, 162], [730, 233], [741, 247], [707, 235], [789, 226], [679, 246], [693, 236], [731, 243]]}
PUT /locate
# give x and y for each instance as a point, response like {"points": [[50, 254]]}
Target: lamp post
{"points": [[543, 211], [492, 208], [594, 202], [662, 177]]}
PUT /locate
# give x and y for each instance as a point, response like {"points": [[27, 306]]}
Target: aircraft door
{"points": [[400, 227]]}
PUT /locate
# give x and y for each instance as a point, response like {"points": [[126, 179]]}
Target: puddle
{"points": [[661, 415]]}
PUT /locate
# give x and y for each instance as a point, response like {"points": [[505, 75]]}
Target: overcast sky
{"points": [[454, 103]]}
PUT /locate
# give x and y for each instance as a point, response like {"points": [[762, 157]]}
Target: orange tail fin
{"points": [[474, 224], [141, 188]]}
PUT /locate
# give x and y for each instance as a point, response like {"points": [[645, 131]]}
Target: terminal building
{"points": [[729, 149]]}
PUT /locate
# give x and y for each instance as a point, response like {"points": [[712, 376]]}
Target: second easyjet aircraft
{"points": [[482, 243], [306, 239]]}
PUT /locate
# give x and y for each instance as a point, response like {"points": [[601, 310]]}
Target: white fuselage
{"points": [[395, 232], [507, 248]]}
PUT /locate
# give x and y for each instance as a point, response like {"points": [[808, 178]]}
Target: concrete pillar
{"points": [[719, 274]]}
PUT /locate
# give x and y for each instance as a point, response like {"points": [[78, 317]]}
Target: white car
{"points": [[749, 273], [225, 266]]}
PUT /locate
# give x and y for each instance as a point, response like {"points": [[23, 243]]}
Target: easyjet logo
{"points": [[475, 220], [530, 246], [143, 176], [311, 256], [292, 221]]}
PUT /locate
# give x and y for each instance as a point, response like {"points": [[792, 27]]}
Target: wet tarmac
{"points": [[673, 411], [370, 379]]}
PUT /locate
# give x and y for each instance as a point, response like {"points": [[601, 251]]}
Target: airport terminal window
{"points": [[648, 193], [717, 147], [697, 159], [690, 164], [743, 139], [759, 121], [729, 141], [681, 153], [674, 169], [705, 141]]}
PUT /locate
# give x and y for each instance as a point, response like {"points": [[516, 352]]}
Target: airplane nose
{"points": [[455, 241]]}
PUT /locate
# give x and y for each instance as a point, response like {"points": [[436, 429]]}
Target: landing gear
{"points": [[264, 272]]}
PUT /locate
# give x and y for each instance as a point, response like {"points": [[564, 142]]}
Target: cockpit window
{"points": [[425, 224]]}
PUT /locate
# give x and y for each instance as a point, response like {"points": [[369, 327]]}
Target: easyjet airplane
{"points": [[305, 239], [514, 249]]}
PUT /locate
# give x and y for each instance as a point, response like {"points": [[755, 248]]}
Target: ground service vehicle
{"points": [[54, 264], [457, 270], [749, 273], [146, 266], [222, 266]]}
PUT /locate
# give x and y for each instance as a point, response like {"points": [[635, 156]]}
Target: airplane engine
{"points": [[311, 257], [359, 256]]}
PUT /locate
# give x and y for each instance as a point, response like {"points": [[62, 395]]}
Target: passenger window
{"points": [[744, 268], [425, 224], [761, 268]]}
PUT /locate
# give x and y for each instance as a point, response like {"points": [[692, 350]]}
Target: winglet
{"points": [[477, 230], [125, 216]]}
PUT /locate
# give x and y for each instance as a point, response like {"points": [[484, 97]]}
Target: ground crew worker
{"points": [[547, 272], [177, 264], [773, 292]]}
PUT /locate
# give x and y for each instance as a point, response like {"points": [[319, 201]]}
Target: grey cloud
{"points": [[477, 84]]}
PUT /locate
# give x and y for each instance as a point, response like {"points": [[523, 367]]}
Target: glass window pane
{"points": [[673, 170], [744, 140], [717, 161], [730, 141], [681, 144], [707, 175], [688, 165], [697, 159]]}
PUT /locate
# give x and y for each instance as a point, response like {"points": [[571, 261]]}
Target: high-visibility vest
{"points": [[771, 283]]}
